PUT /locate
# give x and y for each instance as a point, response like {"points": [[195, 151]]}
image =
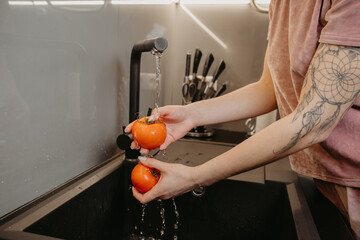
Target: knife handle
{"points": [[218, 71], [197, 58], [207, 65], [221, 90], [187, 66]]}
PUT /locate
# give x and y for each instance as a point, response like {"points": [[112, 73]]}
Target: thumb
{"points": [[129, 127], [152, 162], [155, 115]]}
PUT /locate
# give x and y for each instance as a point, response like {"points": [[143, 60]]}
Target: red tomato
{"points": [[149, 135], [144, 178]]}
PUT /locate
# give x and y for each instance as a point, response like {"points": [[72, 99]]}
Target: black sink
{"points": [[228, 209]]}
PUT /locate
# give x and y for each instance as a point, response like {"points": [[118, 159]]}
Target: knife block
{"points": [[201, 131]]}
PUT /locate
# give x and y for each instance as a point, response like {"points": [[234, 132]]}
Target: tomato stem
{"points": [[156, 174]]}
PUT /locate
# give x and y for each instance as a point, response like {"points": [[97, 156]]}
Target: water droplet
{"points": [[163, 222], [164, 153], [176, 225], [143, 213]]}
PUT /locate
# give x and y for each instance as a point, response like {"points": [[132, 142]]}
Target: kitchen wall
{"points": [[64, 79]]}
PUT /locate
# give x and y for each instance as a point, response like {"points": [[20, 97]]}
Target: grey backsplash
{"points": [[64, 80]]}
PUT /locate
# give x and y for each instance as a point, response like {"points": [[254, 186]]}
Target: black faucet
{"points": [[154, 45]]}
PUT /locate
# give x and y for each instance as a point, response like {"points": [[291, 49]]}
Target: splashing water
{"points": [[162, 215], [162, 227], [143, 213], [176, 225]]}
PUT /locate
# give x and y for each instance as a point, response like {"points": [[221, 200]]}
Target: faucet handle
{"points": [[123, 141]]}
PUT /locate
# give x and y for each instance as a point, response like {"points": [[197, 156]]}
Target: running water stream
{"points": [[157, 80], [143, 216]]}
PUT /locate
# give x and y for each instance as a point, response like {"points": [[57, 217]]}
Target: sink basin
{"points": [[99, 205], [229, 209]]}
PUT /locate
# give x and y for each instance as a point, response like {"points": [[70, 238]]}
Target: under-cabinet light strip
{"points": [[187, 2], [85, 3], [55, 3], [141, 2], [40, 3], [21, 3], [221, 2]]}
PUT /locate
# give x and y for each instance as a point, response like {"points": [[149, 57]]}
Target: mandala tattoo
{"points": [[334, 73]]}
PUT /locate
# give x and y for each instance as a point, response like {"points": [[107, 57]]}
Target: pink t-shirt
{"points": [[295, 30]]}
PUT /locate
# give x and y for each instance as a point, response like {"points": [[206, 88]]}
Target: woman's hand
{"points": [[175, 179], [178, 122]]}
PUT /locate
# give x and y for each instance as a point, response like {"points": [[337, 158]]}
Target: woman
{"points": [[311, 75]]}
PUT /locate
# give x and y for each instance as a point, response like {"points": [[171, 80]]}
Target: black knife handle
{"points": [[187, 66], [207, 65], [221, 90], [219, 70], [197, 58]]}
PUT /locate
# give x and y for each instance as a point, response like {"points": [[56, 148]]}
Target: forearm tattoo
{"points": [[335, 81]]}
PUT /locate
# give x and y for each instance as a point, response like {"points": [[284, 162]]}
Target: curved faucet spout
{"points": [[149, 45]]}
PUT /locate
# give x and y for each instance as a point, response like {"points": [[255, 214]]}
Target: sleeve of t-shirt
{"points": [[342, 23]]}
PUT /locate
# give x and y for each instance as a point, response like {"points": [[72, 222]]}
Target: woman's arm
{"points": [[331, 86]]}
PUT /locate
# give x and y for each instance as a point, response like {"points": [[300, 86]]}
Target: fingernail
{"points": [[151, 118], [142, 158]]}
